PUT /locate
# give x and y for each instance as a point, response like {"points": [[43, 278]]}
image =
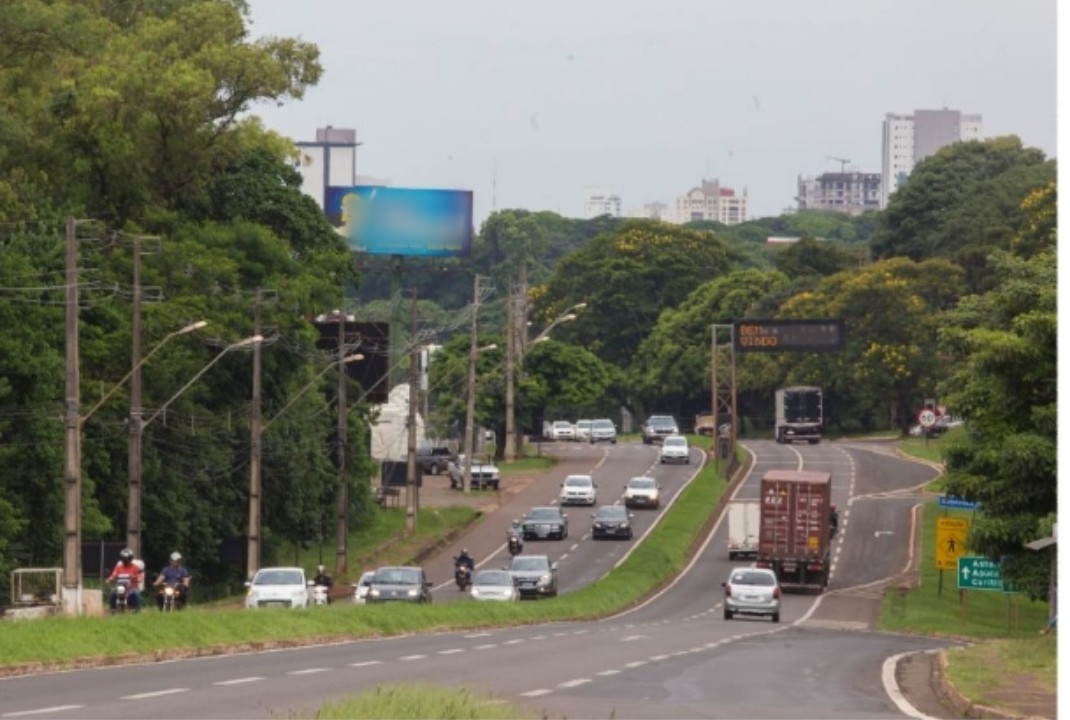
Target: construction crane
{"points": [[842, 161]]}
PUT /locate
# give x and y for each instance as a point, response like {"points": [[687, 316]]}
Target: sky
{"points": [[530, 104]]}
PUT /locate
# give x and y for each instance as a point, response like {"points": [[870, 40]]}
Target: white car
{"points": [[484, 475], [578, 490], [562, 430], [583, 430], [603, 430], [494, 585], [361, 587], [642, 492], [752, 591], [674, 449], [278, 587]]}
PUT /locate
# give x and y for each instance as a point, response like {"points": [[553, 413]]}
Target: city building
{"points": [[653, 211], [330, 160], [600, 202], [908, 139], [848, 192], [710, 201]]}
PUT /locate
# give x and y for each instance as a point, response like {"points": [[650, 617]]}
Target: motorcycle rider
{"points": [[516, 539], [127, 569], [174, 575], [466, 561], [324, 579], [834, 521]]}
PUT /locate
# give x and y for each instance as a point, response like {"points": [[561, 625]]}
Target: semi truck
{"points": [[799, 414], [744, 516], [793, 527]]}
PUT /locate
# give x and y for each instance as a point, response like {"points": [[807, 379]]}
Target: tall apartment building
{"points": [[848, 192], [908, 139], [653, 211], [600, 202], [710, 201], [329, 161]]}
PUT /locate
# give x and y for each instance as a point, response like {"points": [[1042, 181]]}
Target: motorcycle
{"points": [[171, 598], [462, 575], [320, 595], [516, 544], [122, 594]]}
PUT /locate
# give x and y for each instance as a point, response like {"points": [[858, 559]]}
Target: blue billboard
{"points": [[382, 220]]}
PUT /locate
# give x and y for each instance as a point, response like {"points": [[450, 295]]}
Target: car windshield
{"points": [[492, 577], [603, 424], [578, 482], [661, 421], [279, 577], [611, 512], [641, 483], [753, 578], [675, 442], [530, 563], [547, 513], [397, 576], [562, 424], [366, 578]]}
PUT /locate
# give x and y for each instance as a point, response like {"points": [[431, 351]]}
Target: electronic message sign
{"points": [[824, 335]]}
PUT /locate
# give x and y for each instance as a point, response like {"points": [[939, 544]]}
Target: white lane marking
{"points": [[537, 637], [608, 672], [580, 632], [632, 638], [658, 658], [309, 671], [157, 693], [574, 547], [477, 635], [238, 681], [892, 687], [536, 693], [452, 651], [514, 641], [486, 647], [366, 663], [637, 663], [406, 658], [575, 683], [42, 711]]}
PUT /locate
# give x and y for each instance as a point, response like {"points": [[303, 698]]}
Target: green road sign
{"points": [[979, 573]]}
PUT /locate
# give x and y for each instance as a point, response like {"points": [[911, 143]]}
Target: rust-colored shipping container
{"points": [[794, 536]]}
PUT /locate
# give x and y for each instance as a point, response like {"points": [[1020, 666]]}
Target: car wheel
{"points": [[776, 617], [727, 614], [731, 555], [629, 535]]}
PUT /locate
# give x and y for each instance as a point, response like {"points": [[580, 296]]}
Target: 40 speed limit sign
{"points": [[927, 418]]}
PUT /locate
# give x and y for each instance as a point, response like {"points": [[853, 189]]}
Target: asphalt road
{"points": [[672, 657]]}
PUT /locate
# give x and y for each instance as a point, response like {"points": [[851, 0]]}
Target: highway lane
{"points": [[675, 657]]}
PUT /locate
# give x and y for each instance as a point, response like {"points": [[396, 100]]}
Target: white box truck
{"points": [[744, 517]]}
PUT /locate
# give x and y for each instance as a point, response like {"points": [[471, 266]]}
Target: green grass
{"points": [[983, 671], [529, 464], [413, 702]]}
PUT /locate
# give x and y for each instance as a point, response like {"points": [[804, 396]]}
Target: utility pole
{"points": [[340, 561], [133, 504], [72, 475], [510, 373], [412, 502], [520, 341], [255, 507], [469, 431]]}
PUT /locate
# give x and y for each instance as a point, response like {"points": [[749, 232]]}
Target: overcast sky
{"points": [[646, 97]]}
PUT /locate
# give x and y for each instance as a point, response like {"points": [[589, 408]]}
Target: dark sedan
{"points": [[611, 521], [399, 584], [544, 523], [534, 575]]}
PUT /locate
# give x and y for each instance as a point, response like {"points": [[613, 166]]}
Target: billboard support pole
{"points": [[395, 324]]}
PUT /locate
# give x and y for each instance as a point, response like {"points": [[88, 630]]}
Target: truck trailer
{"points": [[793, 533], [744, 517], [799, 414]]}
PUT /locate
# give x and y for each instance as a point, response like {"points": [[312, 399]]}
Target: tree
{"points": [[627, 277], [962, 203], [1004, 348], [810, 257]]}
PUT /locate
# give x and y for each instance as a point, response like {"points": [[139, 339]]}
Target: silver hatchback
{"points": [[752, 591]]}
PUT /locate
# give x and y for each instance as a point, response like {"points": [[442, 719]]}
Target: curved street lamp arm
{"points": [[115, 388], [241, 343]]}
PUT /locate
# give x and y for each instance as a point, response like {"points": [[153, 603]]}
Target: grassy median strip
{"points": [[66, 640], [414, 702]]}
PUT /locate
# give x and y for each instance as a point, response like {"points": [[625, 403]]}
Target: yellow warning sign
{"points": [[950, 542]]}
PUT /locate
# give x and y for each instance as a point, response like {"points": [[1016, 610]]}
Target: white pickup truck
{"points": [[743, 519], [484, 475]]}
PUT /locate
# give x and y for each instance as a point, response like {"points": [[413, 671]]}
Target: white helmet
{"points": [[176, 557]]}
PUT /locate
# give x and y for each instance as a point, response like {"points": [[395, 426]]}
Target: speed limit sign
{"points": [[927, 418]]}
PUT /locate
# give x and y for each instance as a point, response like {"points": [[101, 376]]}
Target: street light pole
{"points": [[471, 409]]}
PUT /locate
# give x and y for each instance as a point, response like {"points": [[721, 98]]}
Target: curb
{"points": [[963, 706]]}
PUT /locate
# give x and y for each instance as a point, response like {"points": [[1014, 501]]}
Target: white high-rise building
{"points": [[710, 201], [849, 192], [652, 211], [908, 139], [600, 202]]}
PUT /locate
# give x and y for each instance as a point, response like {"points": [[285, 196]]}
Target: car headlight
{"points": [[544, 579], [413, 592], [598, 525], [374, 592]]}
